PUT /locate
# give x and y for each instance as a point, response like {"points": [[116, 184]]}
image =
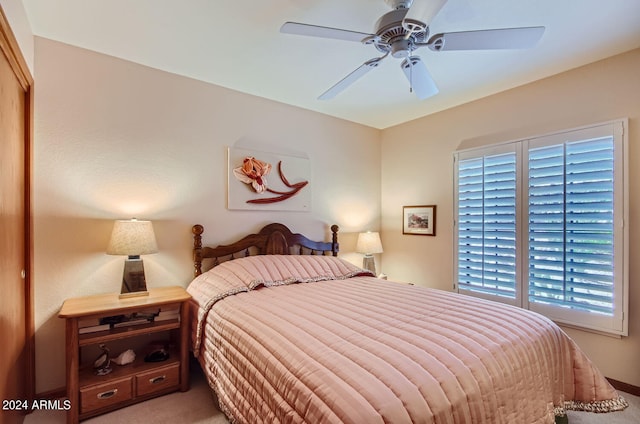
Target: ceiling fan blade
{"points": [[351, 78], [419, 78], [422, 12], [506, 38], [320, 31]]}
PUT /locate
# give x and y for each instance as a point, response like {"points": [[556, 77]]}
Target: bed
{"points": [[287, 332]]}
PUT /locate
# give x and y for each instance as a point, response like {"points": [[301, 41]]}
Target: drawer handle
{"points": [[107, 394], [157, 380]]}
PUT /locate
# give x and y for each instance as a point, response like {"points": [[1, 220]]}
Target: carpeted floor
{"points": [[628, 416], [198, 406]]}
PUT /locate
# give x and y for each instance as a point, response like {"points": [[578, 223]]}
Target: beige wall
{"points": [[114, 140], [417, 169]]}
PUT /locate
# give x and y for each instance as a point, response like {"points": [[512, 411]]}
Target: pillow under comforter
{"points": [[249, 273]]}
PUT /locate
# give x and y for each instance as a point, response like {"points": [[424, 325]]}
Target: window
{"points": [[540, 224]]}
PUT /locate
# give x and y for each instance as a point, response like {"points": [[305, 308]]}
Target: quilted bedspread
{"points": [[314, 339]]}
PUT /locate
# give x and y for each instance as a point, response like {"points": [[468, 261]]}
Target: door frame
{"points": [[10, 48]]}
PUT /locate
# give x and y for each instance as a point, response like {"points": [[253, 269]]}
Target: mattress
{"points": [[315, 339]]}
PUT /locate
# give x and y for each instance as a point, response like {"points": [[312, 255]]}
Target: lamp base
{"points": [[133, 294], [133, 281], [369, 263]]}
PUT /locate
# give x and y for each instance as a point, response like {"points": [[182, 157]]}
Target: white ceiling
{"points": [[237, 44]]}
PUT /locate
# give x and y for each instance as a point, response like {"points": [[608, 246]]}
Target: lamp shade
{"points": [[369, 243], [132, 238]]}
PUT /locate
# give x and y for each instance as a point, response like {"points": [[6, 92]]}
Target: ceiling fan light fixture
{"points": [[420, 80]]}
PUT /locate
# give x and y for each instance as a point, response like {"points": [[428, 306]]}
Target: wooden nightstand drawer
{"points": [[157, 379], [102, 395]]}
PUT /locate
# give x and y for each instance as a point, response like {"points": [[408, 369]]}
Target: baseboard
{"points": [[624, 387], [59, 393]]}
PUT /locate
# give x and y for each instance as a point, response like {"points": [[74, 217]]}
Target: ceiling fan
{"points": [[405, 29]]}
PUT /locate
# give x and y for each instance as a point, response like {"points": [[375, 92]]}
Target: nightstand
{"points": [[91, 394]]}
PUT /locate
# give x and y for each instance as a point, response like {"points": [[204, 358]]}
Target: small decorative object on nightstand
{"points": [[102, 364], [91, 391], [369, 243]]}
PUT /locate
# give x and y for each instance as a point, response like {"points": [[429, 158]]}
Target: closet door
{"points": [[16, 327]]}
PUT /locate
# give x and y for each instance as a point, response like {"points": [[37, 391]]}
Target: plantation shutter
{"points": [[486, 222], [574, 244], [571, 225]]}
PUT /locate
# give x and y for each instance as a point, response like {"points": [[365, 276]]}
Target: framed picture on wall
{"points": [[419, 220]]}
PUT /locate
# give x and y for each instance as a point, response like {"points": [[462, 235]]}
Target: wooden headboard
{"points": [[273, 239]]}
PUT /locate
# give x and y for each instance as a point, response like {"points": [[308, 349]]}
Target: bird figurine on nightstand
{"points": [[102, 364]]}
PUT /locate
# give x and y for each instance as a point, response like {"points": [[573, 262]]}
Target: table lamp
{"points": [[133, 238], [369, 243]]}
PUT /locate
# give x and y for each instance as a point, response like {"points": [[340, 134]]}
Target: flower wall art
{"points": [[267, 181]]}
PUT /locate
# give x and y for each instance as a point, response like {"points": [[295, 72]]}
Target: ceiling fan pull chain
{"points": [[410, 75]]}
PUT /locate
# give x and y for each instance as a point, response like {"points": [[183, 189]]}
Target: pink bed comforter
{"points": [[292, 339]]}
